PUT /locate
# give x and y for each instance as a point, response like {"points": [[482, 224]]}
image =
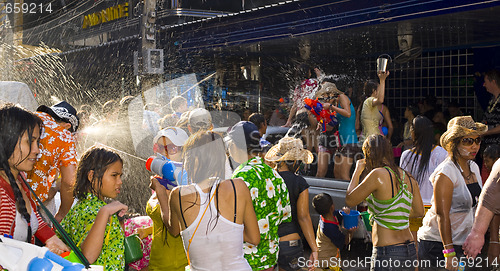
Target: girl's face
{"points": [[169, 149], [469, 146], [25, 153], [112, 180]]}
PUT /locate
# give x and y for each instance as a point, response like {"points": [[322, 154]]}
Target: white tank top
{"points": [[218, 247]]}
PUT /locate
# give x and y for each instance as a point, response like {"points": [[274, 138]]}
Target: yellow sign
{"points": [[106, 15]]}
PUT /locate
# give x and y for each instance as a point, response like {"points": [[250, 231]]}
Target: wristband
{"points": [[448, 250], [494, 242], [452, 254]]}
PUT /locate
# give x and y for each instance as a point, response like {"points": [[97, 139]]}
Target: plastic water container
{"points": [[366, 219], [351, 219]]}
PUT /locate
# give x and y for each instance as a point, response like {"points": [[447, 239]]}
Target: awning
{"points": [[300, 18]]}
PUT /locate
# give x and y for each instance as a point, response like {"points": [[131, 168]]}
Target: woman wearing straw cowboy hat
{"points": [[288, 155], [449, 221]]}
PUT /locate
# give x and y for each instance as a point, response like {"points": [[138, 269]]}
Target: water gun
{"points": [[170, 172], [21, 256], [322, 115]]}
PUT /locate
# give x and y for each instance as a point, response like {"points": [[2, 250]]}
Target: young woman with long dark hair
{"points": [[421, 160], [19, 139], [390, 209]]}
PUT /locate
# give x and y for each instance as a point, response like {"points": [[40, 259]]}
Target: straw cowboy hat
{"points": [[329, 88], [461, 127], [289, 149]]}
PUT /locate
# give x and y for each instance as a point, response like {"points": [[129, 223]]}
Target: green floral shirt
{"points": [[272, 207], [78, 222]]}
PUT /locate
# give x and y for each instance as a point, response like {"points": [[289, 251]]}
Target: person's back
{"points": [[370, 118], [218, 235], [213, 217], [410, 160], [398, 199], [272, 207]]}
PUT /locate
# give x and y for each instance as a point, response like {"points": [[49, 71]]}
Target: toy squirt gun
{"points": [[322, 115]]}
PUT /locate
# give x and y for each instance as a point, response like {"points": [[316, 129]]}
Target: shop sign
{"points": [[106, 15]]}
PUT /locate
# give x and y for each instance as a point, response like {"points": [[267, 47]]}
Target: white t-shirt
{"points": [[461, 211], [438, 155]]}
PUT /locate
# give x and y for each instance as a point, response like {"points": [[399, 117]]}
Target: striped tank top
{"points": [[393, 214]]}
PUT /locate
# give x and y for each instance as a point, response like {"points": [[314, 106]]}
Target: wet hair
{"points": [[493, 75], [204, 156], [18, 121], [257, 119], [492, 151], [424, 140], [378, 152], [293, 165], [322, 203], [368, 88], [97, 159]]}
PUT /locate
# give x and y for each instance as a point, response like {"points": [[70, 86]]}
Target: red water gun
{"points": [[323, 116]]}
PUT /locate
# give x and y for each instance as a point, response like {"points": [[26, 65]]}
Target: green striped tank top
{"points": [[393, 214]]}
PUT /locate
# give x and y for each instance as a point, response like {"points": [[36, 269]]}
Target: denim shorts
{"points": [[290, 252], [394, 257], [432, 253]]}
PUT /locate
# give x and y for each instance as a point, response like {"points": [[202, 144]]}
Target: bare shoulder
{"points": [[377, 173]]}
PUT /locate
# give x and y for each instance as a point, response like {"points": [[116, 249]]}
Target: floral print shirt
{"points": [[78, 222], [272, 207], [57, 150]]}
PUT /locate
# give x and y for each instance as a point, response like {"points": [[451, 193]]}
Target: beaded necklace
{"points": [[491, 107]]}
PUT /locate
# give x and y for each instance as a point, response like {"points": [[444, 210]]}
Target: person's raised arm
{"points": [[379, 99], [163, 196], [68, 178], [293, 110], [92, 245], [345, 104], [493, 131], [358, 192], [443, 193]]}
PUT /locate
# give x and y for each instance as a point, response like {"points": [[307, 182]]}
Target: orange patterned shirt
{"points": [[57, 150]]}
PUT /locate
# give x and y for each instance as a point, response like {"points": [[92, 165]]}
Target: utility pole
{"points": [[6, 42], [152, 58]]}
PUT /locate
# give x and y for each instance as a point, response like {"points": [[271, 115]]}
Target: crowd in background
{"points": [[237, 201]]}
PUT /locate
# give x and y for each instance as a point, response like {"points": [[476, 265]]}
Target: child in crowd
{"points": [[330, 236], [167, 251], [92, 223]]}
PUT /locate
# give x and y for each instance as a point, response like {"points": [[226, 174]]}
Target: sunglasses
{"points": [[467, 141], [169, 148]]}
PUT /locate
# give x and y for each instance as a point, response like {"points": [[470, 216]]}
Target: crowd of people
{"points": [[235, 201]]}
